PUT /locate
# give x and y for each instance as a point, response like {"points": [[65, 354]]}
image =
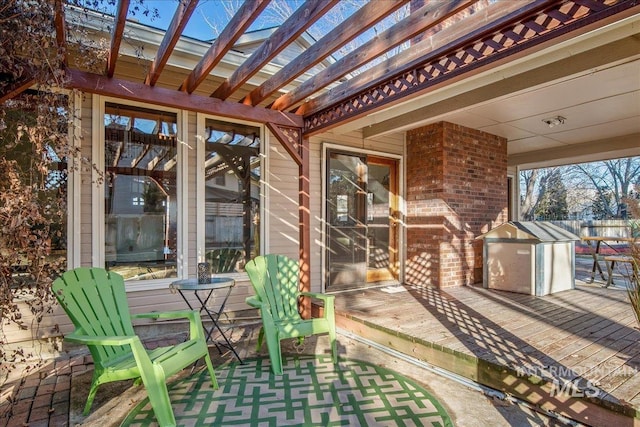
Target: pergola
{"points": [[449, 40]]}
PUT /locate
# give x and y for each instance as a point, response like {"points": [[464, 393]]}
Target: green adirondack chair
{"points": [[96, 302], [275, 282], [223, 260]]}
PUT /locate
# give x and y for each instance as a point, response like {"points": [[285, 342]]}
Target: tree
{"points": [[528, 201], [36, 157], [33, 142], [552, 203], [600, 187], [613, 181], [601, 206], [535, 186]]}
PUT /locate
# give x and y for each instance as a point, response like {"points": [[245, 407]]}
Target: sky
{"points": [[208, 13], [211, 16]]}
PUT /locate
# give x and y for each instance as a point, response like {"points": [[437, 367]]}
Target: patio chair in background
{"points": [[275, 282], [223, 260], [96, 302]]}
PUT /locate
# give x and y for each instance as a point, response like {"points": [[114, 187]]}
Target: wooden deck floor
{"points": [[587, 336]]}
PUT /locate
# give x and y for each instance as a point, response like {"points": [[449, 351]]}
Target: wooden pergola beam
{"points": [[243, 18], [491, 19], [116, 35], [61, 32], [416, 23], [178, 22], [102, 85], [291, 29], [459, 51], [363, 19], [412, 73]]}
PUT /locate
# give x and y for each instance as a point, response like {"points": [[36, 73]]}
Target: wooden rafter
{"points": [[243, 18], [101, 85], [240, 150], [180, 19], [61, 32], [238, 163], [157, 159], [445, 52], [460, 50], [116, 35], [297, 23], [476, 41], [347, 30], [416, 23], [171, 163], [136, 160], [118, 154], [158, 175]]}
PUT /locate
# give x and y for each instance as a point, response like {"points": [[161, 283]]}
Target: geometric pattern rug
{"points": [[311, 392]]}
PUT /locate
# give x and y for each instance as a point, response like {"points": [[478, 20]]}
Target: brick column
{"points": [[456, 190]]}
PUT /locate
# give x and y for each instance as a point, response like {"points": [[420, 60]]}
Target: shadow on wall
{"points": [[442, 249]]}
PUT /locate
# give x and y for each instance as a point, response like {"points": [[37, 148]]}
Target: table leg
{"points": [[210, 330], [596, 265], [610, 267], [228, 343], [215, 316]]}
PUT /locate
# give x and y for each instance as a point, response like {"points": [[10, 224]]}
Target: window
{"points": [[140, 164], [231, 194]]}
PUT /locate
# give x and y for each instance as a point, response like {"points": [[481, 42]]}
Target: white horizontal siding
{"points": [[281, 203]]}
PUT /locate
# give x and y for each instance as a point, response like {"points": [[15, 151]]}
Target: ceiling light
{"points": [[554, 121]]}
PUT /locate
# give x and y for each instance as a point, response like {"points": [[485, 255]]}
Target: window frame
{"points": [[74, 184], [97, 190], [201, 119], [327, 147]]}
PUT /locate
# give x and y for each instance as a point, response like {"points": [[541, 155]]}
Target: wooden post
{"points": [[304, 210], [298, 148]]}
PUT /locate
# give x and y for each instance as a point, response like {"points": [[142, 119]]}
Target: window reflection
{"points": [[232, 194], [140, 192]]}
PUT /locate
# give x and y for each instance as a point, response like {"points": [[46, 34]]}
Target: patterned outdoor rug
{"points": [[312, 392]]}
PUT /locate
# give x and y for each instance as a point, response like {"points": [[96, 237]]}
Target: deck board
{"points": [[588, 334]]}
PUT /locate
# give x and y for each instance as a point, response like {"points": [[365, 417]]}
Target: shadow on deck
{"points": [[575, 353]]}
